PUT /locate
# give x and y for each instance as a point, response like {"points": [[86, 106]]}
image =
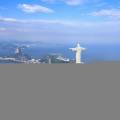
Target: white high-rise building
{"points": [[78, 49]]}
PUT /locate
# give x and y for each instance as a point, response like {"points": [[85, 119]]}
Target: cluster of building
{"points": [[20, 57]]}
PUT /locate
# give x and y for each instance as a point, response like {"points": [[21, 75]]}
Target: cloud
{"points": [[7, 20], [2, 29], [68, 2], [72, 2], [31, 8], [38, 21], [114, 13], [56, 31]]}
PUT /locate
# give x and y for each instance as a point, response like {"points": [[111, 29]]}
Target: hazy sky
{"points": [[60, 20]]}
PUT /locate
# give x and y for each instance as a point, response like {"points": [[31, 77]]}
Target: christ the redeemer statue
{"points": [[78, 51]]}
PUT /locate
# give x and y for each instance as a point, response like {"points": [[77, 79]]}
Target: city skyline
{"points": [[60, 21]]}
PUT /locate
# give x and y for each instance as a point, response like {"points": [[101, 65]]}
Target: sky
{"points": [[60, 21]]}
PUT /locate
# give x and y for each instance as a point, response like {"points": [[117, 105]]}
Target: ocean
{"points": [[93, 53]]}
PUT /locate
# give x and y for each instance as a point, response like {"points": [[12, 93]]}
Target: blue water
{"points": [[93, 53]]}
